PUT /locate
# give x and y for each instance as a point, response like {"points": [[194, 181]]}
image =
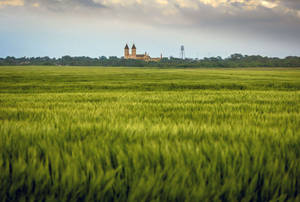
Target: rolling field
{"points": [[134, 134]]}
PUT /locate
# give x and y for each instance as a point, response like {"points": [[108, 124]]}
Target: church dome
{"points": [[133, 47], [126, 47]]}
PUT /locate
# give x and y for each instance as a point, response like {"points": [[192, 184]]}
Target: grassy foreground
{"points": [[129, 134]]}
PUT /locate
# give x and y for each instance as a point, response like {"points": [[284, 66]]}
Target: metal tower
{"points": [[182, 52]]}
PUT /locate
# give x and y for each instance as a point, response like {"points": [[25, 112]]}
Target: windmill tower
{"points": [[182, 52]]}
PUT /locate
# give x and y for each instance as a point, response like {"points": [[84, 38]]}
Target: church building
{"points": [[135, 56]]}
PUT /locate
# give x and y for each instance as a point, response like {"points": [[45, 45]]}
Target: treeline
{"points": [[235, 60]]}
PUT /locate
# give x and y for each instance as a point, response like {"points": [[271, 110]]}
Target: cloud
{"points": [[248, 4], [54, 5], [4, 3], [292, 4], [166, 7], [269, 18], [229, 5]]}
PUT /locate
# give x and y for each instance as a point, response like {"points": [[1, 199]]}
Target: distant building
{"points": [[135, 56]]}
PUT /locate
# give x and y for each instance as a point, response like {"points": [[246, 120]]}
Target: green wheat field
{"points": [[149, 134]]}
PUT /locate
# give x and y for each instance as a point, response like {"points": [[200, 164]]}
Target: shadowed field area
{"points": [[134, 134]]}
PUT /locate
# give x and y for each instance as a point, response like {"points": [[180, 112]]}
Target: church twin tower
{"points": [[135, 56], [127, 54]]}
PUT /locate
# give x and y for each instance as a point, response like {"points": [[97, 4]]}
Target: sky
{"points": [[207, 28]]}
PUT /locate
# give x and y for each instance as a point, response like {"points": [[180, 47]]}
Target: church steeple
{"points": [[133, 51], [126, 52]]}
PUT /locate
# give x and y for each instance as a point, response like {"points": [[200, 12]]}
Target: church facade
{"points": [[135, 56]]}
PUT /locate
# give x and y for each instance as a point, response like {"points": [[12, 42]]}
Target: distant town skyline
{"points": [[96, 28]]}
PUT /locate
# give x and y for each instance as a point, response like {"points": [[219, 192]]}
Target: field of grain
{"points": [[135, 134]]}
